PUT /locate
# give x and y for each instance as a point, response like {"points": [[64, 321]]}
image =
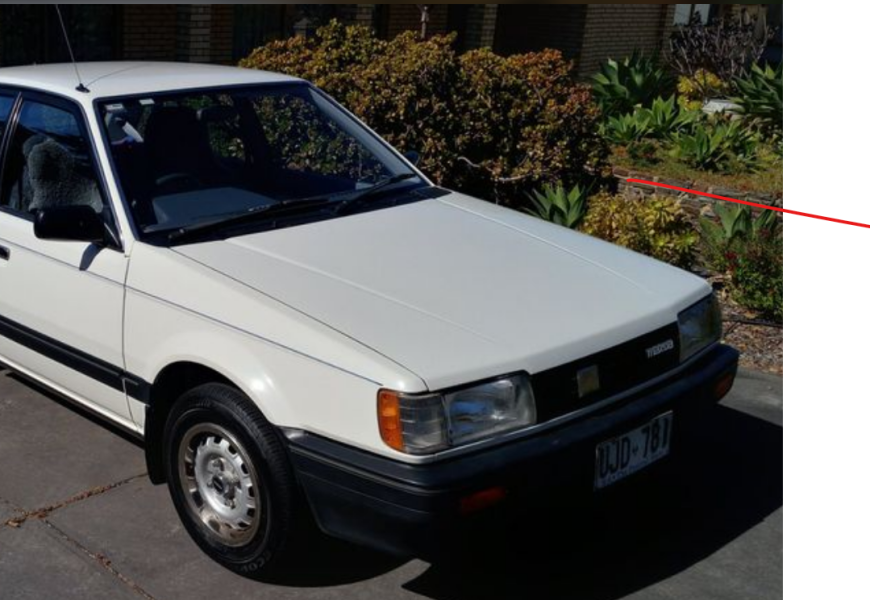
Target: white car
{"points": [[231, 265]]}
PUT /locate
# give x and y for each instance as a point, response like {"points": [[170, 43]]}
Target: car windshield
{"points": [[193, 158]]}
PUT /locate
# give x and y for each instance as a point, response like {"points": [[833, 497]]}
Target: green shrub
{"points": [[620, 86], [525, 121], [557, 205], [748, 248], [756, 270], [760, 98], [717, 144], [655, 226], [488, 125], [330, 60]]}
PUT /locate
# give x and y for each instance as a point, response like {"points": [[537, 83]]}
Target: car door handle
{"points": [[4, 253]]}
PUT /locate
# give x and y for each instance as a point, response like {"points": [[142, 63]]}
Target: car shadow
{"points": [[635, 535]]}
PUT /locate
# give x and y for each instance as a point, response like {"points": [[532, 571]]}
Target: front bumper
{"points": [[415, 509]]}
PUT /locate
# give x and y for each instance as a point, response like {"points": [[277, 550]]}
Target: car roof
{"points": [[110, 79]]}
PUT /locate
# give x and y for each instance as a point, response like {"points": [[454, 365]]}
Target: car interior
{"points": [[199, 157]]}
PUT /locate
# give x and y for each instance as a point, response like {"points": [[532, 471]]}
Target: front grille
{"points": [[619, 369]]}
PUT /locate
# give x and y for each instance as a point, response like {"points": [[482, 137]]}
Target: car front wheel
{"points": [[230, 479]]}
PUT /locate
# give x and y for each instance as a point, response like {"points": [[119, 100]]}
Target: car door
{"points": [[61, 303]]}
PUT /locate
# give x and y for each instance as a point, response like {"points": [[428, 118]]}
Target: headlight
{"points": [[426, 423], [700, 326]]}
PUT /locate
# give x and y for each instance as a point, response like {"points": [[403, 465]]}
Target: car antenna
{"points": [[81, 86]]}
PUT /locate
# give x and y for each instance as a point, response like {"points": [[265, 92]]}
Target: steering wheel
{"points": [[176, 183]]}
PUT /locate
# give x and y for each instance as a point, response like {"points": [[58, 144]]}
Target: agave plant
{"points": [[666, 117], [760, 97], [557, 205], [737, 222], [620, 86], [716, 145], [625, 129]]}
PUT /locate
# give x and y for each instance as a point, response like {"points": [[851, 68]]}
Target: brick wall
{"points": [[523, 28], [193, 32], [149, 32], [406, 17], [222, 33], [356, 14], [481, 26], [614, 30]]}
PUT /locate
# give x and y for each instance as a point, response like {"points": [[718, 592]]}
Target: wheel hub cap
{"points": [[220, 484]]}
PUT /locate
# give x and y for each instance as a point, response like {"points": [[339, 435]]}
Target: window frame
{"points": [[24, 94]]}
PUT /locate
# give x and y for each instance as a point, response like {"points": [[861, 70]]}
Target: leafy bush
{"points": [[655, 226], [756, 269], [717, 144], [725, 48], [637, 80], [748, 248], [760, 97], [735, 224], [485, 124], [556, 205], [524, 121], [701, 87]]}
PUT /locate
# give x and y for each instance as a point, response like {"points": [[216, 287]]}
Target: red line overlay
{"points": [[764, 206]]}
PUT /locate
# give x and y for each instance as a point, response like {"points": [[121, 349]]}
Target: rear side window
{"points": [[49, 163], [6, 103]]}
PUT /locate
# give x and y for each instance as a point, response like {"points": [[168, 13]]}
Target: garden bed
{"points": [[760, 344], [764, 185]]}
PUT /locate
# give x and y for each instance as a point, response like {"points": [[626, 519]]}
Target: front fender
{"points": [[292, 390]]}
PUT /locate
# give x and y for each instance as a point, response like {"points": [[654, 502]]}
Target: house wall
{"points": [[481, 26], [588, 33], [193, 33], [615, 30], [406, 17], [222, 19], [558, 26], [148, 32]]}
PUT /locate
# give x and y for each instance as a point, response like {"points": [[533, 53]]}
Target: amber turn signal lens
{"points": [[390, 419], [723, 386], [481, 500]]}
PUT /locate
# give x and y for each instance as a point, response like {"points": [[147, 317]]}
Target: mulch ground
{"points": [[759, 342]]}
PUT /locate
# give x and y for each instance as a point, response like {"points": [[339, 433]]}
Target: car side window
{"points": [[6, 103], [49, 163]]}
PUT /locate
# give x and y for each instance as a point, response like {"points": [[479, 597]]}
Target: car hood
{"points": [[456, 289]]}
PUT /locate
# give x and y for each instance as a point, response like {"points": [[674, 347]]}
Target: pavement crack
{"points": [[43, 512], [104, 561]]}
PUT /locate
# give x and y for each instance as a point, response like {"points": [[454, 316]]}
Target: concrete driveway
{"points": [[78, 519]]}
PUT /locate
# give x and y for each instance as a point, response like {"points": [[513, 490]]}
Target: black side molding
{"points": [[90, 366]]}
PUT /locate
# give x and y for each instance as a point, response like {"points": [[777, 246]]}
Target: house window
{"points": [[30, 33], [684, 12]]}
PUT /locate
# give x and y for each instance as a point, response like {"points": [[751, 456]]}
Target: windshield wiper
{"points": [[343, 207], [286, 207]]}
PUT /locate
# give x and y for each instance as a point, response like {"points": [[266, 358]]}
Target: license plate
{"points": [[621, 456]]}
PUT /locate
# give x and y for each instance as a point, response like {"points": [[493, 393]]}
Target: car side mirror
{"points": [[413, 157], [70, 224]]}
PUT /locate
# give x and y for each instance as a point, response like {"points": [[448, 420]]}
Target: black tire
{"points": [[217, 407]]}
